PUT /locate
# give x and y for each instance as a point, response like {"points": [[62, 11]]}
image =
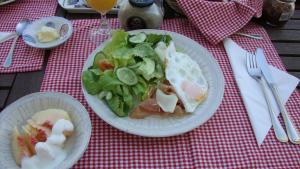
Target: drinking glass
{"points": [[102, 6]]}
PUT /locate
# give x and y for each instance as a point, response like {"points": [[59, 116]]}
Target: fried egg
{"points": [[185, 75]]}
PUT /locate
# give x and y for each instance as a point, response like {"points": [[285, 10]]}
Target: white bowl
{"points": [[18, 112], [164, 127], [56, 22]]}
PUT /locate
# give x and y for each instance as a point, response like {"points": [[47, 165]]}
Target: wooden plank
{"points": [[33, 82], [284, 35], [6, 80], [297, 5], [291, 24], [88, 16], [73, 16], [60, 11], [296, 14], [291, 63], [98, 16], [288, 49], [297, 74], [20, 88], [3, 97]]}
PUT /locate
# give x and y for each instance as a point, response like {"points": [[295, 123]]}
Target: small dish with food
{"points": [[152, 83], [41, 131], [48, 32]]}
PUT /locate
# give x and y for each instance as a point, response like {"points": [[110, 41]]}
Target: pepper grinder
{"points": [[278, 12], [141, 14]]}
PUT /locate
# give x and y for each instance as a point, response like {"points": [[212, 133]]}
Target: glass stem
{"points": [[104, 25]]}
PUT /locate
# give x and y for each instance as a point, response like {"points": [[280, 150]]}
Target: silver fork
{"points": [[255, 72]]}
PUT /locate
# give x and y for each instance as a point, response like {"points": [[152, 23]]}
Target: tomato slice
{"points": [[105, 65]]}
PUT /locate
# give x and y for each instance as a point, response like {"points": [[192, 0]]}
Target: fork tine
{"points": [[254, 61], [248, 61], [256, 64], [251, 60]]}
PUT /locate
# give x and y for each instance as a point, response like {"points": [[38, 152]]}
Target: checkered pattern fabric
{"points": [[25, 58], [225, 141], [218, 20]]}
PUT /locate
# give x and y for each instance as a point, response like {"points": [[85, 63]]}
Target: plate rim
{"points": [[69, 35], [7, 2], [145, 134]]}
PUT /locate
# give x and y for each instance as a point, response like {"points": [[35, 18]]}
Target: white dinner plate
{"points": [[155, 126]]}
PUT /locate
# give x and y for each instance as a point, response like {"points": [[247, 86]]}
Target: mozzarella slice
{"points": [[166, 102]]}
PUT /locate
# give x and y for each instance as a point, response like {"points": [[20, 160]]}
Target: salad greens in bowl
{"points": [[126, 70], [141, 83]]}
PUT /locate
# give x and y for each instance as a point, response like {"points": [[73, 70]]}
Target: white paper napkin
{"points": [[251, 92], [4, 36]]}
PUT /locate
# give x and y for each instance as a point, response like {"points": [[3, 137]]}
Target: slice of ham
{"points": [[150, 107]]}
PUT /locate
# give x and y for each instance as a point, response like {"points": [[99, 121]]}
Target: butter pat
{"points": [[47, 34]]}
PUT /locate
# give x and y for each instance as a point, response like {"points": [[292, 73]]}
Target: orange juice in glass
{"points": [[101, 6]]}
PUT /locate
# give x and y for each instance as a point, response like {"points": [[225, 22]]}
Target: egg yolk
{"points": [[192, 90]]}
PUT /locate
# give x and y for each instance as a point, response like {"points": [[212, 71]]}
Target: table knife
{"points": [[292, 132]]}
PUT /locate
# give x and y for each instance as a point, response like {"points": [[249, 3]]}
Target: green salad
{"points": [[126, 70]]}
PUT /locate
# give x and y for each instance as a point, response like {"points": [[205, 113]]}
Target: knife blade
{"points": [[263, 64], [292, 131]]}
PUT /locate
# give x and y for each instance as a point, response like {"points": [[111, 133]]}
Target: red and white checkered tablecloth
{"points": [[25, 58], [216, 20], [225, 141]]}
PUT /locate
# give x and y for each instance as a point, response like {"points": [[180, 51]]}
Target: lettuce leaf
{"points": [[154, 39], [108, 81], [119, 39], [90, 83], [117, 106], [127, 98], [146, 68], [122, 57], [143, 50]]}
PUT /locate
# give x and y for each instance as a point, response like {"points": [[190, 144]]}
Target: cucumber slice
{"points": [[147, 68], [138, 38], [99, 56], [127, 76], [135, 65]]}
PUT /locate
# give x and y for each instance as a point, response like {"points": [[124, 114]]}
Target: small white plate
{"points": [[7, 2], [17, 114], [30, 33], [164, 127]]}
